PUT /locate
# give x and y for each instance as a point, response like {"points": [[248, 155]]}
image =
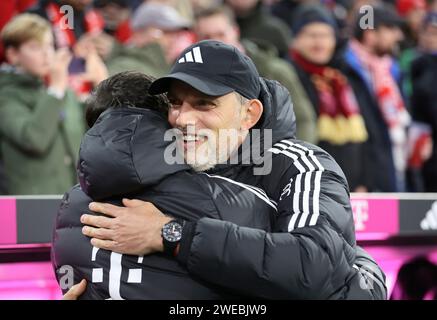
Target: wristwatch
{"points": [[171, 235]]}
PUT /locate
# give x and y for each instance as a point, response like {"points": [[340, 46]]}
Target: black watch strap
{"points": [[170, 246]]}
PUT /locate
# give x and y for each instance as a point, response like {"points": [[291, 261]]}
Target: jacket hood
{"points": [[124, 152], [278, 114]]}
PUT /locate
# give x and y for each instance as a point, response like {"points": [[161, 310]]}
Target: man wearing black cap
{"points": [[311, 252]]}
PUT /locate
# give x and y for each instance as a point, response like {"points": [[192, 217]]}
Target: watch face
{"points": [[172, 231]]}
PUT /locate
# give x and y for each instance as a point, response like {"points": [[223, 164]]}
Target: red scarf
{"points": [[339, 119]]}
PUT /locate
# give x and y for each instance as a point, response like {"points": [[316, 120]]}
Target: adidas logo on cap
{"points": [[192, 56], [213, 68]]}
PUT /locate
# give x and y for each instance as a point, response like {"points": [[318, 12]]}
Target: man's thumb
{"points": [[75, 291]]}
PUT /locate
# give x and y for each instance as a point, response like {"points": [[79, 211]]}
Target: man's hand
{"points": [[95, 69], [104, 44], [59, 70], [75, 291], [134, 229]]}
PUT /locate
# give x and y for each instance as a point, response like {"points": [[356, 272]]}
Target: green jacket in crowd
{"points": [[270, 66], [39, 135], [149, 60]]}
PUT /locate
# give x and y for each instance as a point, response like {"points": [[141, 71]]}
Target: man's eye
{"points": [[205, 105]]}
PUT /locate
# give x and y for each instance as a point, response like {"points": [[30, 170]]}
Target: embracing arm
{"points": [[312, 260], [308, 255], [311, 251]]}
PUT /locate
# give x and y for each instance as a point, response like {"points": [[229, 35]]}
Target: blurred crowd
{"points": [[362, 75]]}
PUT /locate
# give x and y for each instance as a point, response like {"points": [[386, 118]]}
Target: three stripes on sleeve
{"points": [[307, 183]]}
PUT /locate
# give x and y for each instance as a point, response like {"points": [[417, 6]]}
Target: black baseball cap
{"points": [[213, 68]]}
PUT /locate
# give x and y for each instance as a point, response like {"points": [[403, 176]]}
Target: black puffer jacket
{"points": [[123, 155]]}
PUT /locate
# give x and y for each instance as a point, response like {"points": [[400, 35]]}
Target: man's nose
{"points": [[186, 115]]}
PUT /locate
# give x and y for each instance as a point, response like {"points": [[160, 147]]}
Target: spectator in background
{"points": [[340, 126], [218, 23], [85, 20], [416, 279], [200, 5], [432, 5], [352, 10], [286, 9], [159, 34], [183, 7], [257, 23], [424, 97], [116, 15], [413, 11], [164, 24], [372, 72], [85, 70], [8, 9], [134, 4], [40, 125]]}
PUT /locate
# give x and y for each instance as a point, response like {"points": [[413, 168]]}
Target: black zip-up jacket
{"points": [[311, 252], [123, 155]]}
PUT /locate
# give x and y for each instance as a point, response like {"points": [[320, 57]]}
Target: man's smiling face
{"points": [[212, 127]]}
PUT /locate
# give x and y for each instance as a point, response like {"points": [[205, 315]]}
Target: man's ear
{"points": [[254, 109]]}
